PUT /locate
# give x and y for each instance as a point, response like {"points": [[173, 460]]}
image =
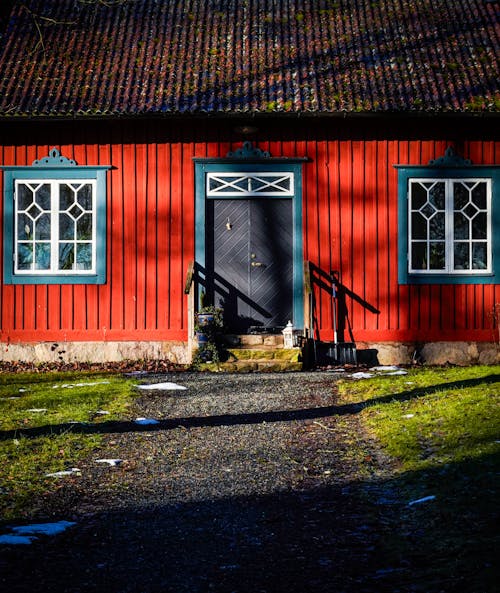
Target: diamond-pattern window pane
{"points": [[24, 196], [437, 226], [42, 196], [54, 226], [437, 196], [460, 226], [418, 226], [418, 196], [84, 197], [84, 227], [42, 228], [480, 226], [66, 227], [461, 196], [66, 196], [479, 196], [24, 227]]}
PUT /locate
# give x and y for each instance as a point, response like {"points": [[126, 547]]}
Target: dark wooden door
{"points": [[250, 261]]}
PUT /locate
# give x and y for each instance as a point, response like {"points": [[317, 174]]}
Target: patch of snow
{"points": [[384, 368], [408, 415], [110, 462], [14, 540], [162, 386], [37, 410], [400, 372], [362, 375], [25, 534], [73, 385], [74, 471], [43, 528], [424, 499], [102, 412], [145, 421]]}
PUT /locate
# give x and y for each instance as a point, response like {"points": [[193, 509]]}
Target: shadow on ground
{"points": [[361, 537]]}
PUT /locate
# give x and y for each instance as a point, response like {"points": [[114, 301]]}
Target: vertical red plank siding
{"points": [[350, 224]]}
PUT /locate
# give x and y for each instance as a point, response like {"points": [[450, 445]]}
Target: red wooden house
{"points": [[272, 143]]}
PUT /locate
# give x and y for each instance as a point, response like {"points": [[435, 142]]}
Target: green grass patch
{"points": [[431, 416], [441, 427], [33, 400]]}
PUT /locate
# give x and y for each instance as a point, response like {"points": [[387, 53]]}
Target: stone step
{"points": [[254, 341], [245, 360]]}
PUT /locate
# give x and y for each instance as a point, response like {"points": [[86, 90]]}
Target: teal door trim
{"points": [[205, 166]]}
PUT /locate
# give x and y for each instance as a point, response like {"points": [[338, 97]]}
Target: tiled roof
{"points": [[133, 57]]}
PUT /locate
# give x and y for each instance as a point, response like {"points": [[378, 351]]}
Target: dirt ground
{"points": [[249, 483]]}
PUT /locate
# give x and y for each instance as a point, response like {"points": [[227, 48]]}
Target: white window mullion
{"points": [[54, 226], [449, 233]]}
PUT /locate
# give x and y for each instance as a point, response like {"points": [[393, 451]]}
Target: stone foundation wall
{"points": [[432, 353], [385, 353], [95, 352]]}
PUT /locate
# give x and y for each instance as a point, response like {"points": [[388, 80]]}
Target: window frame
{"points": [[58, 169], [442, 170]]}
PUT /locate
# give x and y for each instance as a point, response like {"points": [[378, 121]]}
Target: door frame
{"points": [[261, 164]]}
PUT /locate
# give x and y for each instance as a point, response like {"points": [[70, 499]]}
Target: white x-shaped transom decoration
{"points": [[250, 184]]}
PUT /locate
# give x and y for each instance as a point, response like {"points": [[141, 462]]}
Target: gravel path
{"points": [[250, 483]]}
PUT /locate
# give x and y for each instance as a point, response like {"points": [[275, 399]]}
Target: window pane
{"points": [[42, 196], [24, 256], [437, 226], [436, 195], [42, 227], [66, 196], [461, 226], [479, 226], [479, 256], [436, 256], [460, 196], [84, 227], [461, 256], [84, 197], [24, 196], [42, 256], [418, 196], [66, 227], [24, 227], [66, 256], [418, 226], [479, 196], [84, 256], [419, 256]]}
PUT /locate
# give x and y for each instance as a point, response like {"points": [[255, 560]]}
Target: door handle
{"points": [[258, 264]]}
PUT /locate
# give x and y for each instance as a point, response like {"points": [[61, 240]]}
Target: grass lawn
{"points": [[30, 400], [440, 428]]}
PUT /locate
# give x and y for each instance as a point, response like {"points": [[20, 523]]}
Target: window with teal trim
{"points": [[55, 223], [448, 215]]}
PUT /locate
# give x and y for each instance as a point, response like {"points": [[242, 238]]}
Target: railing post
{"points": [[189, 289], [308, 328]]}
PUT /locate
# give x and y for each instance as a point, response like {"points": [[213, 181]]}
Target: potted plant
{"points": [[208, 325]]}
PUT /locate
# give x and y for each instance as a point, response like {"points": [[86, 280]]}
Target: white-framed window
{"points": [[55, 226], [54, 222], [448, 222], [449, 226]]}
